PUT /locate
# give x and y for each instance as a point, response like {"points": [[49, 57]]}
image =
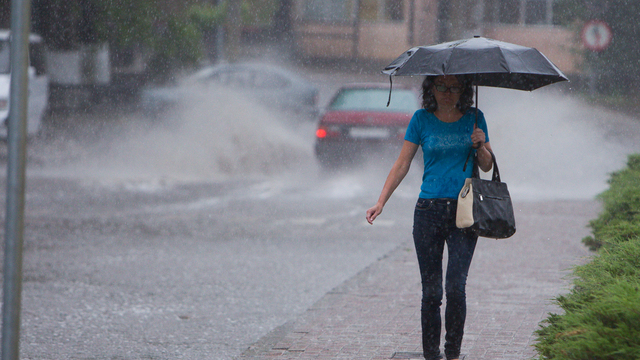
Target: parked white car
{"points": [[38, 84]]}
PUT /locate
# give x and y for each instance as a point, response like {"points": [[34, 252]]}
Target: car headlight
{"points": [[4, 104]]}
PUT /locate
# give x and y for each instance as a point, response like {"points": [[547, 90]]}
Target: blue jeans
{"points": [[434, 224]]}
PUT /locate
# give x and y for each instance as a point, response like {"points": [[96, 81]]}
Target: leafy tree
{"points": [[178, 45], [59, 20], [207, 17], [124, 23], [172, 38], [169, 38], [258, 12]]}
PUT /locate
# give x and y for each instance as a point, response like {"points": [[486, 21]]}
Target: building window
{"points": [[369, 10], [376, 10], [508, 11], [519, 11], [394, 10], [535, 12], [327, 10]]}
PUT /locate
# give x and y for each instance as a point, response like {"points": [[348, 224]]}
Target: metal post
{"points": [[16, 139], [412, 20], [355, 36], [594, 75], [443, 21]]}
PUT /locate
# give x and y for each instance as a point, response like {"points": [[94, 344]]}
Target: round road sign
{"points": [[596, 35]]}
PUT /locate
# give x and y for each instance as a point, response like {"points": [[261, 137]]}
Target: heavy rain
{"points": [[179, 213]]}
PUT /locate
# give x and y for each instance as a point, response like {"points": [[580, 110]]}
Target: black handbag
{"points": [[485, 205]]}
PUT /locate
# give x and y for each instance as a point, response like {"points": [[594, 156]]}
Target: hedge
{"points": [[601, 318], [620, 218]]}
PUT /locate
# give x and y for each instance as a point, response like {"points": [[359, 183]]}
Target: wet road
{"points": [[196, 271], [191, 239]]}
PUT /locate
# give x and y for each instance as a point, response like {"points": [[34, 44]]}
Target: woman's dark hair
{"points": [[429, 100]]}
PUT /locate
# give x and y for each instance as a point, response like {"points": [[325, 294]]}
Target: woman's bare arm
{"points": [[485, 161], [398, 171]]}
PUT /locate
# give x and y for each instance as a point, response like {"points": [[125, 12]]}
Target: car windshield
{"points": [[402, 100], [4, 58]]}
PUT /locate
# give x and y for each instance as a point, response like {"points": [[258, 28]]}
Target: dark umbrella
{"points": [[490, 62]]}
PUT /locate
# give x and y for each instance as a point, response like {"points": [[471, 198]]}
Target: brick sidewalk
{"points": [[376, 314]]}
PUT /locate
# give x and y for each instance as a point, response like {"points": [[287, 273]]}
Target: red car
{"points": [[358, 122]]}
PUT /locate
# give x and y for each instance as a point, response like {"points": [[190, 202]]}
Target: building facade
{"points": [[380, 30]]}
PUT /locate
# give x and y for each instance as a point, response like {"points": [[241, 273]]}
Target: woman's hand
{"points": [[478, 137], [373, 213], [485, 161]]}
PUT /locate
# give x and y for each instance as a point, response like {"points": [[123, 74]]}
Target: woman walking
{"points": [[447, 128]]}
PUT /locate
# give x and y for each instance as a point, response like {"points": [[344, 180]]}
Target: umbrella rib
{"points": [[506, 62]]}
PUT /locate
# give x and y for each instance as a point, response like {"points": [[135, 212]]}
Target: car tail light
{"points": [[327, 132], [321, 133]]}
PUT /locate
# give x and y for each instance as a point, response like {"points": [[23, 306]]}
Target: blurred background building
{"points": [[382, 29], [108, 48]]}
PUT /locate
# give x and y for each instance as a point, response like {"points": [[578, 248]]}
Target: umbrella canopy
{"points": [[491, 62]]}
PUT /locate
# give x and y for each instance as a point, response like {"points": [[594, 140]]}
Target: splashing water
{"points": [[213, 134], [553, 146]]}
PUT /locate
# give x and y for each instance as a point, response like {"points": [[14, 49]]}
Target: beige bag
{"points": [[464, 215]]}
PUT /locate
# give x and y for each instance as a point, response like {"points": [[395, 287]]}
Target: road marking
{"points": [[309, 221], [380, 222]]}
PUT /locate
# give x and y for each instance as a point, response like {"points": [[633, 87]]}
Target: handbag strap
{"points": [[476, 168]]}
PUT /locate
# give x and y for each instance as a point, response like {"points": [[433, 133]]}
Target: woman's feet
{"points": [[461, 357], [436, 357]]}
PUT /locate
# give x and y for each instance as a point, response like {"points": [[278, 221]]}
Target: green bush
{"points": [[620, 218], [602, 312], [601, 319]]}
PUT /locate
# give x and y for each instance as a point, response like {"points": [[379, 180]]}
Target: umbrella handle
{"points": [[474, 145], [477, 105], [390, 87], [464, 168]]}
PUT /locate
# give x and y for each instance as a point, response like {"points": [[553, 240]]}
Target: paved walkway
{"points": [[376, 314]]}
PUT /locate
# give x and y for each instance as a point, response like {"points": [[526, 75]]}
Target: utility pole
{"points": [[16, 163]]}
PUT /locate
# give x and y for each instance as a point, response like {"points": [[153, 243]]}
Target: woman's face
{"points": [[447, 90]]}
